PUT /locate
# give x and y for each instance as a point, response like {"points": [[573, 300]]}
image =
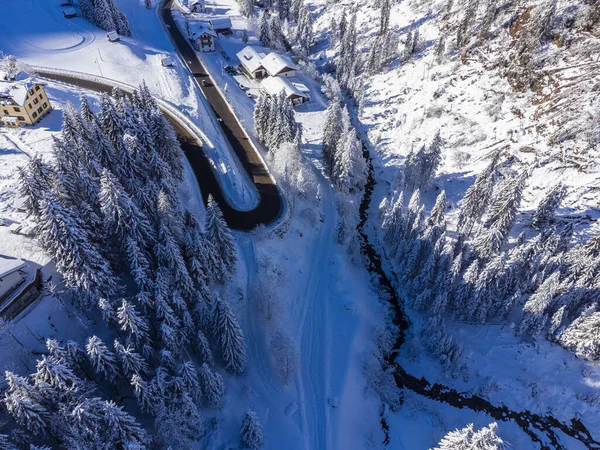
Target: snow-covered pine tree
{"points": [[468, 438], [219, 235], [24, 404], [350, 168], [477, 198], [203, 348], [246, 8], [143, 394], [304, 29], [110, 121], [503, 213], [230, 336], [35, 180], [132, 323], [275, 32], [188, 374], [384, 23], [332, 133], [544, 214], [179, 424], [252, 431], [211, 384], [264, 35], [261, 116], [102, 358], [132, 362], [77, 257], [122, 218]]}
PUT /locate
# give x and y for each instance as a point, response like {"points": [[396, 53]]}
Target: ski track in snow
{"points": [[313, 378], [256, 350]]}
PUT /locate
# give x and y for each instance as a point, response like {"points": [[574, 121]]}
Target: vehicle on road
{"points": [[206, 83], [242, 87], [249, 94]]}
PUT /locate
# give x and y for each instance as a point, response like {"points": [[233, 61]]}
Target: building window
{"points": [[5, 112], [40, 109], [41, 96], [31, 92], [17, 109], [34, 115], [35, 101], [44, 105], [20, 118], [29, 105], [37, 88]]}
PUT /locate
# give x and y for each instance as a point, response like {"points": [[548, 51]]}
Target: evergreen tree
{"points": [[203, 348], [132, 323], [77, 258], [468, 438], [503, 213], [264, 35], [122, 218], [544, 214], [477, 198], [35, 180], [386, 6], [102, 358], [211, 384], [219, 235], [332, 134], [252, 432], [132, 363], [246, 8], [24, 404], [179, 424], [350, 169], [229, 334]]}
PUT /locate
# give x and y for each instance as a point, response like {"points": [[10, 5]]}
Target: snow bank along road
{"points": [[271, 203]]}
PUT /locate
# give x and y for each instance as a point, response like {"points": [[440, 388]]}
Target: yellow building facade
{"points": [[22, 103]]}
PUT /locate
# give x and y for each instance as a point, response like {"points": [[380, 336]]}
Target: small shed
{"points": [[167, 61], [69, 12], [113, 36], [221, 24]]}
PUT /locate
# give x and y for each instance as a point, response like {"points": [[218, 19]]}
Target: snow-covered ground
{"points": [[75, 44], [476, 112]]}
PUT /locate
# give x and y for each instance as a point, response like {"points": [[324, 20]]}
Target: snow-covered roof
{"points": [[250, 58], [276, 85], [8, 119], [166, 61], [113, 36], [10, 265], [275, 63], [16, 91], [21, 76], [69, 12], [197, 29], [196, 2], [220, 23]]}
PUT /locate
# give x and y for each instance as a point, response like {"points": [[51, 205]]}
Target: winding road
{"points": [[270, 205]]}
